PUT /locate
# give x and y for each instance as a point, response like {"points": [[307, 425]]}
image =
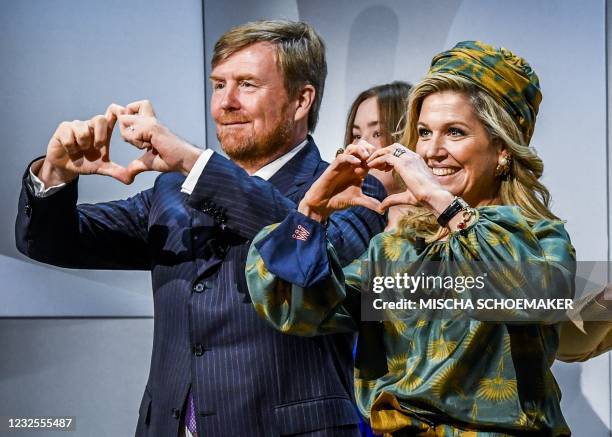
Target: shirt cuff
{"points": [[37, 187], [196, 171]]}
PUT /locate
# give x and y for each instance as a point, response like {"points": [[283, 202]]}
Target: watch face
{"points": [[462, 202]]}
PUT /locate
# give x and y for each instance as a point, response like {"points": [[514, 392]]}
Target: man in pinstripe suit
{"points": [[216, 368]]}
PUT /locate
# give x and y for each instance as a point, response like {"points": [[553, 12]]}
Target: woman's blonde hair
{"points": [[521, 187]]}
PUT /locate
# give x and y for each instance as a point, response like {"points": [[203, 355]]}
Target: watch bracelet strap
{"points": [[455, 207]]}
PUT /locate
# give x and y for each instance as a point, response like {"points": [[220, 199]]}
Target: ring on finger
{"points": [[340, 151], [398, 152]]}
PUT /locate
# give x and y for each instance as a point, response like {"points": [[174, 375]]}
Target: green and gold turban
{"points": [[506, 77]]}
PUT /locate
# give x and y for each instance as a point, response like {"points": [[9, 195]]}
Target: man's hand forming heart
{"points": [[82, 147], [164, 151]]}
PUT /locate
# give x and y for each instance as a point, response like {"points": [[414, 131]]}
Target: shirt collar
{"points": [[268, 170]]}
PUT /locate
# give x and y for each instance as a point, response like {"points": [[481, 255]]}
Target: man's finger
{"points": [[127, 119], [104, 151], [141, 107], [116, 171], [100, 127], [113, 111], [54, 142], [66, 138], [83, 134], [130, 131], [139, 144], [142, 164]]}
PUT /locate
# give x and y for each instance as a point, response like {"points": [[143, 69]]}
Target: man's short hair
{"points": [[300, 50]]}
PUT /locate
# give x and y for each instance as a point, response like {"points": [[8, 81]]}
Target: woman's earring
{"points": [[503, 168]]}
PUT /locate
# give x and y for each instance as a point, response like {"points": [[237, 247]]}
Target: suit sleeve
{"points": [[243, 203], [302, 298], [56, 231], [246, 204], [297, 284]]}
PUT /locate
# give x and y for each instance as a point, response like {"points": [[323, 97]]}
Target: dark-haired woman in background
{"points": [[378, 116]]}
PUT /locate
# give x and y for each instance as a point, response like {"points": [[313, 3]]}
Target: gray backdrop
{"points": [[78, 342]]}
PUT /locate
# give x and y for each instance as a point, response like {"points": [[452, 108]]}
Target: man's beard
{"points": [[246, 148]]}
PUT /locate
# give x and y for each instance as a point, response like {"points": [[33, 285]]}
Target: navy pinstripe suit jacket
{"points": [[246, 378]]}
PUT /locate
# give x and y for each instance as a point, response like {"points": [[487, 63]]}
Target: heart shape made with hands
{"points": [[83, 147], [339, 186], [411, 169], [140, 127]]}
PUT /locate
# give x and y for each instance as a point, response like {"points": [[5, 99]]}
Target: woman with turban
{"points": [[476, 205]]}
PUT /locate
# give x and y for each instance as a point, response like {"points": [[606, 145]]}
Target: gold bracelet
{"points": [[466, 216]]}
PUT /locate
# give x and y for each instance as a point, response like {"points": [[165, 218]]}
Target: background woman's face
{"points": [[366, 125], [456, 146]]}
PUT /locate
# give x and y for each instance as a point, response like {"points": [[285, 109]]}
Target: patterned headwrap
{"points": [[504, 76]]}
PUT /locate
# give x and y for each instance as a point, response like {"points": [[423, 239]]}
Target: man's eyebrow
{"points": [[237, 78]]}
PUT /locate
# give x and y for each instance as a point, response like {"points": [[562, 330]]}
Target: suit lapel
{"points": [[299, 170]]}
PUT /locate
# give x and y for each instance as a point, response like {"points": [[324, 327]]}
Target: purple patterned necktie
{"points": [[190, 416]]}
